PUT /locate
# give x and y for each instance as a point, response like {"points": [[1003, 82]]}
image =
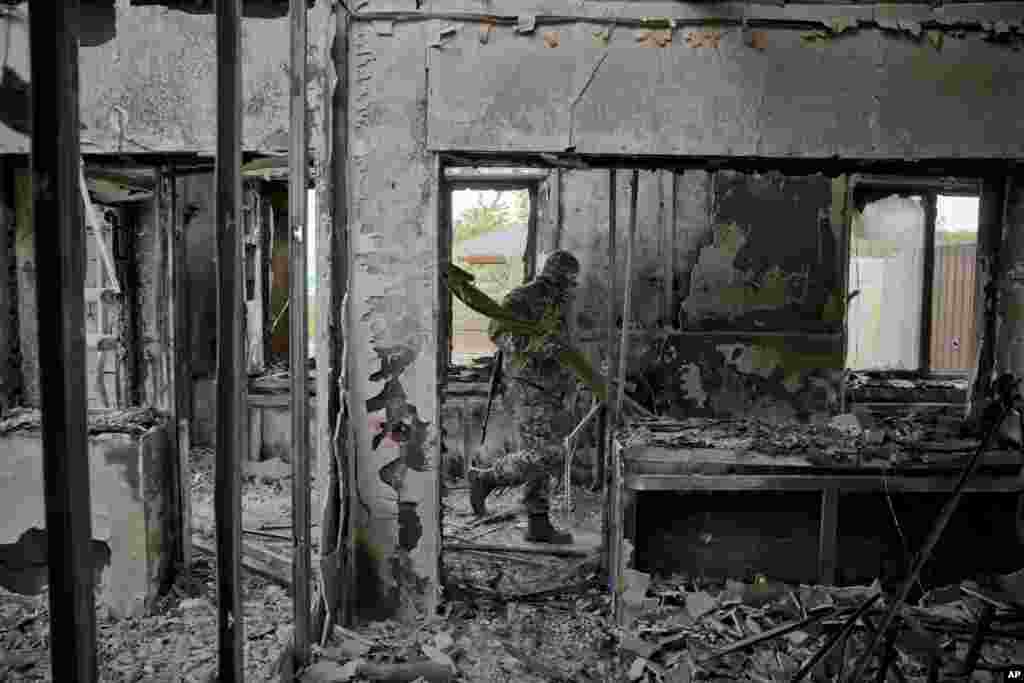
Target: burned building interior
{"points": [[276, 402]]}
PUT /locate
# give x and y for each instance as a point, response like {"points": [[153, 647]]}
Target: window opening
{"points": [[912, 282], [886, 271], [490, 230]]}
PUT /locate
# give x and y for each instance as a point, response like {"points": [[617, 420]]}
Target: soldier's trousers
{"points": [[543, 424]]}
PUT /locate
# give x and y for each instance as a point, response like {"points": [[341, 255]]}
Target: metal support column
{"points": [[231, 376], [60, 266], [298, 340]]}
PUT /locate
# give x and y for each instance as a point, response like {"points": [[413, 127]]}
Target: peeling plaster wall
{"points": [[152, 87], [1010, 311], [392, 323]]}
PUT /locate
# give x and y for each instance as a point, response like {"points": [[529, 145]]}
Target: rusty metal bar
{"points": [[530, 265], [182, 350], [604, 445], [299, 332], [671, 310], [926, 329], [627, 303], [231, 376], [60, 264], [557, 206]]}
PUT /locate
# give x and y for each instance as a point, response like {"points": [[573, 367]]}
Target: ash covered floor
{"points": [[508, 615]]}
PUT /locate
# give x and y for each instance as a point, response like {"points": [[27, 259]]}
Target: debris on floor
{"points": [[848, 439], [768, 631], [134, 421], [515, 613]]}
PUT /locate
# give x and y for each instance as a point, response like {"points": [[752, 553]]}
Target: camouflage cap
{"points": [[562, 265]]}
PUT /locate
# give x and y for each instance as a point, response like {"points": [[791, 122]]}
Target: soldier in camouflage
{"points": [[536, 387]]}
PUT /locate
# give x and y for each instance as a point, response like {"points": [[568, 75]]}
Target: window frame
{"points": [[865, 189], [456, 179]]}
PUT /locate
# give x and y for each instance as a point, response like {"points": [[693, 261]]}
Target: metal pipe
{"points": [[626, 300], [298, 341]]}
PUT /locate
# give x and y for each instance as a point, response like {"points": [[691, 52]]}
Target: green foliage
{"points": [[480, 220], [956, 237], [504, 210], [520, 210]]}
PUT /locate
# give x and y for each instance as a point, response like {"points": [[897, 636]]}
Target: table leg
{"points": [[827, 543], [613, 532]]}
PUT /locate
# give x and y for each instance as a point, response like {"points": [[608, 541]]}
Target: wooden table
{"points": [[638, 467]]}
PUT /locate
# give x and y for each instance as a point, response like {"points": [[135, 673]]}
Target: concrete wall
{"points": [[130, 489], [392, 321], [151, 87], [752, 318], [709, 92], [907, 83]]}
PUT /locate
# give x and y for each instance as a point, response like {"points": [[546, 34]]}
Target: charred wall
{"points": [[147, 80], [750, 321], [10, 372]]}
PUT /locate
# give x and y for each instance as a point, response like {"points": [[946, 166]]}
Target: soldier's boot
{"points": [[481, 483], [540, 530]]}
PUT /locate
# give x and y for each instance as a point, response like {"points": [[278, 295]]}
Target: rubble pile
{"points": [[135, 421], [846, 440], [767, 631]]}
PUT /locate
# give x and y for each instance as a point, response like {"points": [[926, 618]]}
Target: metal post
{"points": [[299, 332], [60, 267], [183, 373], [231, 389], [671, 312], [605, 448], [626, 301]]}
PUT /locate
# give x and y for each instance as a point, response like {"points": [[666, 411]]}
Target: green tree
{"points": [[487, 215], [482, 218], [520, 209]]}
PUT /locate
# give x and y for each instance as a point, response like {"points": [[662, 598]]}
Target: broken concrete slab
{"points": [[131, 493]]}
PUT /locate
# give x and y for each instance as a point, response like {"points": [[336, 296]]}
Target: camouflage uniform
{"points": [[536, 384]]}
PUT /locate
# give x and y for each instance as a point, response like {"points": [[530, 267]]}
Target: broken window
{"points": [[911, 281]]}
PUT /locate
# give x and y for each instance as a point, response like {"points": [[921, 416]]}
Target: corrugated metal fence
{"points": [[953, 339]]}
